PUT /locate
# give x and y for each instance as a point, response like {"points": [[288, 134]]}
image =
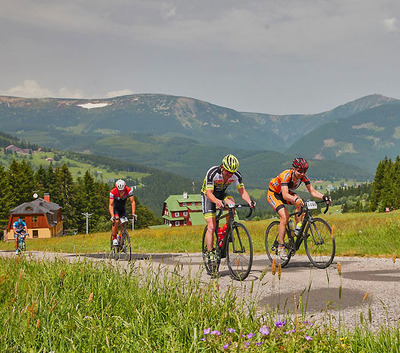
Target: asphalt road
{"points": [[367, 287]]}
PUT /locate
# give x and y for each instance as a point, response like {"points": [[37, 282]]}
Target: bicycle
{"points": [[236, 246], [21, 245], [124, 242], [316, 233]]}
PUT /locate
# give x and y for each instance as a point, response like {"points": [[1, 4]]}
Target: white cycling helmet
{"points": [[120, 184]]}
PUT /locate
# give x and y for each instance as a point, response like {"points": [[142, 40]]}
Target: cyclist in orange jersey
{"points": [[281, 193]]}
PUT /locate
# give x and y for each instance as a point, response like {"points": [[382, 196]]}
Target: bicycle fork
{"points": [[318, 240]]}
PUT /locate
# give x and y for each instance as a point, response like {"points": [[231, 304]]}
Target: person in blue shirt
{"points": [[20, 230]]}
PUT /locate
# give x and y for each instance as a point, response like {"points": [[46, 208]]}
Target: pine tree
{"points": [[6, 202], [67, 195], [21, 181], [377, 185], [387, 196]]}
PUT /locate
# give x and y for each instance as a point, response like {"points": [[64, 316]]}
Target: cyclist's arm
{"points": [[245, 196], [210, 195], [132, 199], [314, 192], [111, 207]]}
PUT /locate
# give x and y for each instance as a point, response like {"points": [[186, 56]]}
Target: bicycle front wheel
{"points": [[272, 244], [126, 246], [319, 243], [113, 255], [240, 252]]}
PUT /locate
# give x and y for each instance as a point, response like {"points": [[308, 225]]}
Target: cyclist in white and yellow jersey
{"points": [[213, 195]]}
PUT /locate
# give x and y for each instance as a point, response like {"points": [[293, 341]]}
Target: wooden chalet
{"points": [[183, 210], [42, 217]]}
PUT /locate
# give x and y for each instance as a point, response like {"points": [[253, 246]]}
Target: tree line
{"points": [[386, 186], [83, 195]]}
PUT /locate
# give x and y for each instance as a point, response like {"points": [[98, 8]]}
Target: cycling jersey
{"points": [[19, 227], [120, 201], [214, 181], [286, 179]]}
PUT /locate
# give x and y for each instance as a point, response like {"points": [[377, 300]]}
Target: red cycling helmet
{"points": [[300, 163]]}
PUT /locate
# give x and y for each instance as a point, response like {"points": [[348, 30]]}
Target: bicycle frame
{"points": [[308, 219], [230, 225]]}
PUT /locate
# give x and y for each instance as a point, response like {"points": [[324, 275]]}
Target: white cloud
{"points": [[167, 11], [119, 93], [390, 24], [31, 89]]}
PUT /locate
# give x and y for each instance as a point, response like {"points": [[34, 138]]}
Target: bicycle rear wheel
{"points": [[272, 244], [211, 270], [240, 252], [319, 243]]}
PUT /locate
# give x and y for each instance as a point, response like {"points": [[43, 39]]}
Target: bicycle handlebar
{"points": [[227, 206], [302, 209]]}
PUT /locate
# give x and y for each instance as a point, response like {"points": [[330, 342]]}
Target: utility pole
{"points": [[133, 219], [87, 215]]}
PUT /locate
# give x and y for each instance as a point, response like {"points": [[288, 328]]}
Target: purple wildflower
{"points": [[231, 330], [290, 331], [307, 323], [264, 330], [250, 335], [247, 344], [215, 332], [308, 338], [207, 331], [203, 339], [259, 343], [226, 346], [280, 323]]}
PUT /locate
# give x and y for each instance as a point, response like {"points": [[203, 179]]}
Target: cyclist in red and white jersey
{"points": [[213, 195], [117, 205], [281, 192]]}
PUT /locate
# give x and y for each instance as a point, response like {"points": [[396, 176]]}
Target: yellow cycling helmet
{"points": [[230, 163]]}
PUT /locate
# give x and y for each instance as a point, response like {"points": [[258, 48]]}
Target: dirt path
{"points": [[367, 287]]}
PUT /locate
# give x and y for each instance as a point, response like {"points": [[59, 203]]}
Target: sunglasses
{"points": [[301, 171]]}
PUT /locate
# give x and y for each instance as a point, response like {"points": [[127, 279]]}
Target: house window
{"points": [[35, 234], [185, 213], [177, 223], [176, 214], [34, 219]]}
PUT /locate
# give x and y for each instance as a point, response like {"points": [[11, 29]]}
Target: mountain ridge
{"points": [[168, 132]]}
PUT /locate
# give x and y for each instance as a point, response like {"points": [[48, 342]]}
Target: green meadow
{"points": [[356, 234]]}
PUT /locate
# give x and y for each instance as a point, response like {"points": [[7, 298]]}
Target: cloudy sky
{"points": [[266, 56]]}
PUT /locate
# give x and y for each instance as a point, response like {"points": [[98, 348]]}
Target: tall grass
{"points": [[93, 307], [357, 234]]}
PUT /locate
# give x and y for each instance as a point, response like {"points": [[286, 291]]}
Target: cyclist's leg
{"points": [[228, 199], [277, 202], [115, 225], [209, 209], [16, 240], [298, 209], [283, 219]]}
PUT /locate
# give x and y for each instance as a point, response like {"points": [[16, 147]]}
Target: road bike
{"points": [[124, 248], [319, 241], [21, 245], [236, 246]]}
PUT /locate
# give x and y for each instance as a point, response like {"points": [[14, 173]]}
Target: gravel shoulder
{"points": [[366, 288]]}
